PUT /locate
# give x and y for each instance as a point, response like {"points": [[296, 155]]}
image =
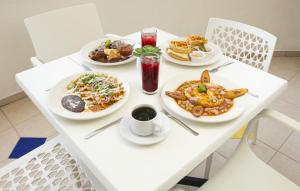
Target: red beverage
{"points": [[150, 72], [148, 37]]}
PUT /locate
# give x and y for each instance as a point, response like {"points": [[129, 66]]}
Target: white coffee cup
{"points": [[145, 127]]}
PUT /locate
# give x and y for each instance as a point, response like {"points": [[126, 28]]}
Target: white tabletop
{"points": [[120, 165]]}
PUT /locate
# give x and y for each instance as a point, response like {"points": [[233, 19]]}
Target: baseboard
{"points": [[12, 98], [286, 54]]}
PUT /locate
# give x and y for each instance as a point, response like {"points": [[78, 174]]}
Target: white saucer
{"points": [[149, 140]]}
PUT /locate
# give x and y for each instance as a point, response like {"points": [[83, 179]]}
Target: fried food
{"points": [[178, 56], [180, 46], [205, 78], [176, 95], [231, 94], [196, 40], [197, 111]]}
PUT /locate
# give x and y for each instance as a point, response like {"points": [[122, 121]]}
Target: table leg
{"points": [[207, 166]]}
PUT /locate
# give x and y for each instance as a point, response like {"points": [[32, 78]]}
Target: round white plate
{"points": [[58, 92], [238, 108], [93, 45], [208, 59], [127, 134]]}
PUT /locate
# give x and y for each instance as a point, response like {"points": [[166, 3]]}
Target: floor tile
{"points": [[19, 111], [295, 81], [285, 67], [291, 147], [179, 187], [26, 145], [217, 163], [287, 167], [291, 95], [5, 162], [272, 133], [36, 126], [198, 171], [4, 123], [286, 108], [8, 140], [228, 148], [263, 151]]}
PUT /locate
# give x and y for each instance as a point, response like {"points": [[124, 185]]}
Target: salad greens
{"points": [[146, 50]]}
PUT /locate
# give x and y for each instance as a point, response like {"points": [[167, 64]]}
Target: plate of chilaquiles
{"points": [[204, 97], [88, 95], [193, 50]]}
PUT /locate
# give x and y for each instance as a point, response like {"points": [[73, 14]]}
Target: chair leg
{"points": [[208, 166], [254, 131]]}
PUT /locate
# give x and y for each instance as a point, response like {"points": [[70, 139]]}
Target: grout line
{"points": [[1, 111], [266, 144], [291, 78], [285, 140], [289, 157], [278, 151]]}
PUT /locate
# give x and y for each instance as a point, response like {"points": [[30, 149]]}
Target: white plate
{"points": [[149, 140], [93, 45], [238, 108], [58, 92], [208, 59]]}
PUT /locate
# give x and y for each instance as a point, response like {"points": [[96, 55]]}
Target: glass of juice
{"points": [[148, 36], [150, 72]]}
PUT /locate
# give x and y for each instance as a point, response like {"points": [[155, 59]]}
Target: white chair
{"points": [[48, 167], [242, 42], [63, 31], [245, 171]]}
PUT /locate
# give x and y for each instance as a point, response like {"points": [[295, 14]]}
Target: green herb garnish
{"points": [[146, 50], [107, 43], [202, 88]]}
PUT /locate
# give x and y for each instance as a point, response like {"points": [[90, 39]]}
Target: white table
{"points": [[120, 165]]}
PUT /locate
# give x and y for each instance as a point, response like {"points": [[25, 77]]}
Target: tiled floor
{"points": [[277, 145]]}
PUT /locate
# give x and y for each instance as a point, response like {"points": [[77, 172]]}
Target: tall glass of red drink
{"points": [[149, 36], [150, 72]]}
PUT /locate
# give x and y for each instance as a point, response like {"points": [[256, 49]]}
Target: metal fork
{"points": [[214, 70], [181, 123]]}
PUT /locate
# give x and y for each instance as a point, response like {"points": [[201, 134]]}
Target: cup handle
{"points": [[158, 128]]}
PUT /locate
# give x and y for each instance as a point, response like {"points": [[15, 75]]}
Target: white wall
{"points": [[122, 17]]}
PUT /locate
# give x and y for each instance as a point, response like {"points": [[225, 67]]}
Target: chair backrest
{"points": [[63, 31], [242, 42]]}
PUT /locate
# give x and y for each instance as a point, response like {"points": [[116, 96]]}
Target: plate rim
{"points": [[120, 103]]}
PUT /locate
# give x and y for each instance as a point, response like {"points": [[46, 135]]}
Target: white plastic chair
{"points": [[48, 167], [63, 31], [242, 42], [245, 171]]}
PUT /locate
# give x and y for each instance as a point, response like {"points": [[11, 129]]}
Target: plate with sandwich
{"points": [[193, 50]]}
